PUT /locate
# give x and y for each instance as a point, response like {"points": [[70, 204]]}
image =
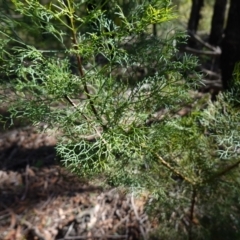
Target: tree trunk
{"points": [[154, 30], [194, 18], [217, 22], [231, 44]]}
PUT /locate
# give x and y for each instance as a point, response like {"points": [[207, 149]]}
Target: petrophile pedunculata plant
{"points": [[113, 91]]}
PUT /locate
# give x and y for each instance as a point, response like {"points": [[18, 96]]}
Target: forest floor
{"points": [[39, 199]]}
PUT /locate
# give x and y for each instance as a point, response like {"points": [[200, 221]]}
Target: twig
{"points": [[26, 184], [166, 164], [80, 68], [212, 83], [74, 105], [9, 213], [100, 135], [70, 101], [31, 227], [120, 222], [69, 230], [138, 219], [193, 201], [223, 172], [50, 198], [205, 44], [4, 215], [211, 73], [217, 52], [70, 21]]}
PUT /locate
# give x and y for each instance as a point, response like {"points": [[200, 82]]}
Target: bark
{"points": [[217, 22], [231, 44], [195, 16]]}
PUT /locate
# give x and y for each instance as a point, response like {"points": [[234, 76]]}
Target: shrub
{"points": [[113, 90]]}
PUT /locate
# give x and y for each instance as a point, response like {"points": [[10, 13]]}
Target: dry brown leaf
{"points": [[13, 219], [3, 178], [30, 172], [19, 233], [11, 235], [47, 235], [53, 180]]}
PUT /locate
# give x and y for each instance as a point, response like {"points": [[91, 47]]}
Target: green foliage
{"points": [[113, 91]]}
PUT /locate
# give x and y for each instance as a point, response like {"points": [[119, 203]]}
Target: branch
{"points": [[211, 73], [205, 44], [212, 83], [138, 219], [193, 201], [223, 172], [70, 20], [74, 105], [166, 164], [217, 52]]}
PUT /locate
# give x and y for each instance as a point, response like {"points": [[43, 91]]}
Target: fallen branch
{"points": [[217, 52], [212, 83], [205, 44], [138, 219], [211, 73]]}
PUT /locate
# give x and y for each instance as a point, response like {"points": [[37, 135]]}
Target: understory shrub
{"points": [[113, 91]]}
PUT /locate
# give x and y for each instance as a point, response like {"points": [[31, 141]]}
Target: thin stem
{"points": [[70, 20], [166, 164], [74, 105], [223, 172], [193, 202]]}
